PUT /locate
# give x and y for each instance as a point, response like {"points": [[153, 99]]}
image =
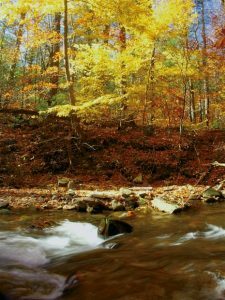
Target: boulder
{"points": [[71, 192], [117, 206], [125, 192], [131, 203], [104, 195], [212, 195], [164, 205], [69, 207], [70, 283], [109, 227], [80, 206], [95, 207]]}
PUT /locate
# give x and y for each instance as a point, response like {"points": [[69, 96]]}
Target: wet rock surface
{"points": [[212, 195], [163, 204], [110, 227]]}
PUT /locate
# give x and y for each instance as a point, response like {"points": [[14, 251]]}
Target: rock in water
{"points": [[70, 282], [117, 206], [162, 204], [109, 227], [211, 195]]}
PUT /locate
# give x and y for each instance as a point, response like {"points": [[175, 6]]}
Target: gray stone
{"points": [[69, 207], [125, 192], [163, 205], [194, 197], [104, 195], [54, 197], [71, 192], [95, 207], [145, 189], [211, 195], [131, 202], [80, 206], [117, 206]]}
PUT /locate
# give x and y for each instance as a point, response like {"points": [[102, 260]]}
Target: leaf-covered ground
{"points": [[36, 154]]}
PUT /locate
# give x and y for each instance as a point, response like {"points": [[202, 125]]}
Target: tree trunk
{"points": [[75, 123], [67, 65], [123, 108], [18, 44], [149, 92], [192, 113], [204, 65], [54, 59]]}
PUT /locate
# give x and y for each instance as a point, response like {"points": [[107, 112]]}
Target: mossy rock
{"points": [[211, 195]]}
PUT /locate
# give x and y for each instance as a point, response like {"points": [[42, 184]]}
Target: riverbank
{"points": [[42, 166], [125, 201]]}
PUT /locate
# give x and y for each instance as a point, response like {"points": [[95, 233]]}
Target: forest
{"points": [[158, 63], [112, 149]]}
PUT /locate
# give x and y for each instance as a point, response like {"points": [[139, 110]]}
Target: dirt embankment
{"points": [[36, 154]]}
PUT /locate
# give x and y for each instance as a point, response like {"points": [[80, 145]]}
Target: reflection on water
{"points": [[166, 257]]}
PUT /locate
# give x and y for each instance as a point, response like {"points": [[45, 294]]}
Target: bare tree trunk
{"points": [[192, 113], [17, 50], [149, 92], [75, 123], [183, 107], [67, 65], [204, 64], [54, 59], [123, 108]]}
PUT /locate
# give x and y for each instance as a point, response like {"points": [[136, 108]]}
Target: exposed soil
{"points": [[35, 153]]}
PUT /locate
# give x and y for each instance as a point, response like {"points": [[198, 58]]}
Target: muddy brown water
{"points": [[166, 257]]}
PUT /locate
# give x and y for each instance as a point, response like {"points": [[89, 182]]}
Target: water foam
{"points": [[21, 253], [212, 232], [219, 291], [68, 237]]}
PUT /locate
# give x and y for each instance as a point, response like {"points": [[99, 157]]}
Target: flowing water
{"points": [[166, 257]]}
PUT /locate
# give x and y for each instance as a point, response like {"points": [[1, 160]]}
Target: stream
{"points": [[177, 257]]}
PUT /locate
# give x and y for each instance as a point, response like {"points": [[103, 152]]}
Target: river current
{"points": [[178, 257]]}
